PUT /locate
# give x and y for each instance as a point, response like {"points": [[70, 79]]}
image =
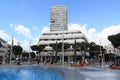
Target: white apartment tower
{"points": [[58, 18]]}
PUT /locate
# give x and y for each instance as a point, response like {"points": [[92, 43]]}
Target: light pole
{"points": [[63, 46], [102, 57], [29, 52], [62, 38], [11, 51]]}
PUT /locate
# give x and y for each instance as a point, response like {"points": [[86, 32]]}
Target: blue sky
{"points": [[27, 19]]}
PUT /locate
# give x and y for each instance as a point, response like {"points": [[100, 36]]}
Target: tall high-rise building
{"points": [[59, 34], [58, 18]]}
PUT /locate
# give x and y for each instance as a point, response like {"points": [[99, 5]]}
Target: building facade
{"points": [[69, 37], [58, 18], [58, 36], [59, 33], [3, 50], [111, 49]]}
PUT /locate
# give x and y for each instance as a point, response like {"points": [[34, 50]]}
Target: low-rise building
{"points": [[59, 36], [68, 36], [111, 49], [3, 49]]}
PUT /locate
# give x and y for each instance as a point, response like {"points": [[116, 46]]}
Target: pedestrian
{"points": [[81, 63], [86, 62]]}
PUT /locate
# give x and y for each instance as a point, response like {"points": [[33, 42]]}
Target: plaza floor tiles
{"points": [[101, 75]]}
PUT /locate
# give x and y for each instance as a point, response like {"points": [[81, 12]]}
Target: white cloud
{"points": [[35, 40], [21, 29], [25, 45], [108, 31], [4, 35], [15, 41], [7, 37], [93, 35], [82, 28], [45, 29], [90, 33]]}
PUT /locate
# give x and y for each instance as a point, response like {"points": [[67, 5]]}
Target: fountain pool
{"points": [[27, 73]]}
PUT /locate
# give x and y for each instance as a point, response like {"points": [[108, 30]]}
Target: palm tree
{"points": [[83, 46], [75, 48], [55, 48], [66, 46]]}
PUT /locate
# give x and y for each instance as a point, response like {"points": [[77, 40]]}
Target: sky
{"points": [[26, 20]]}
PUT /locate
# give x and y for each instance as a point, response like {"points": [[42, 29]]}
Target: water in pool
{"points": [[27, 74]]}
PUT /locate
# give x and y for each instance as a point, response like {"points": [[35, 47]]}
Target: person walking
{"points": [[81, 63], [86, 62]]}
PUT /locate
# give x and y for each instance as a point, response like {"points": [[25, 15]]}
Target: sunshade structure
{"points": [[69, 51], [46, 54], [47, 51]]}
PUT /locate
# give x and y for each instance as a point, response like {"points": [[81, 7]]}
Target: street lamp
{"points": [[63, 47], [62, 38], [29, 52], [11, 51], [102, 57]]}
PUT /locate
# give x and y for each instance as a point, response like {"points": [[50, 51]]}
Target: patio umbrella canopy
{"points": [[47, 50], [69, 51]]}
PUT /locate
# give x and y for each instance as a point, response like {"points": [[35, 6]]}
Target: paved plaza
{"points": [[96, 73]]}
